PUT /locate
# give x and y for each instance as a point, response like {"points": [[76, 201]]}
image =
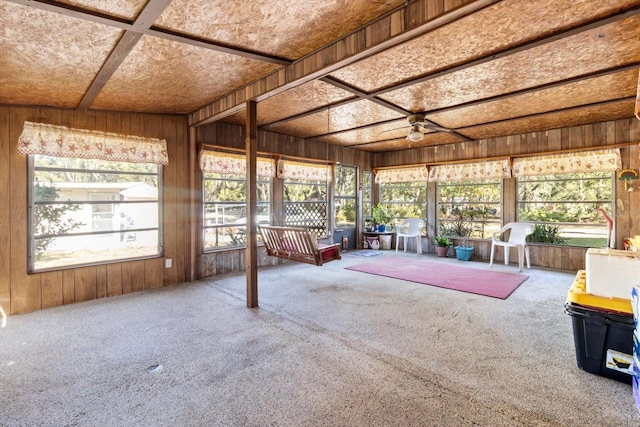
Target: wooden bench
{"points": [[297, 244]]}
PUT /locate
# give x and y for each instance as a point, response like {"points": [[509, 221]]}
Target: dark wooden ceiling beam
{"points": [[368, 40], [559, 83], [270, 125], [146, 27], [151, 11]]}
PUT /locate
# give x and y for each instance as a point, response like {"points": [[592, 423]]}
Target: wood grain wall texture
{"points": [[627, 215], [21, 292]]}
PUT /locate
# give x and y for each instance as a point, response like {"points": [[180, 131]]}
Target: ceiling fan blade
{"points": [[434, 127], [394, 129]]}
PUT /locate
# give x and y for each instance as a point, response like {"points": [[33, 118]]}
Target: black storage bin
{"points": [[603, 341]]}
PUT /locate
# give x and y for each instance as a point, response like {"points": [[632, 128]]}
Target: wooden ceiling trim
{"points": [[101, 18], [313, 96], [123, 47], [368, 40], [575, 116], [511, 51], [533, 89], [581, 92], [318, 110]]}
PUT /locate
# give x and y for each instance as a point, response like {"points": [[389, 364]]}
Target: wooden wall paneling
{"points": [[182, 253], [5, 211], [555, 257], [554, 139], [509, 202], [84, 119], [154, 273], [126, 278], [85, 283], [634, 163], [137, 275], [577, 258], [52, 295], [170, 198], [114, 279], [101, 281], [68, 287], [25, 288]]}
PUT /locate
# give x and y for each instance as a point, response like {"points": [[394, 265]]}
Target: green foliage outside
{"points": [[48, 219], [381, 215], [546, 233]]}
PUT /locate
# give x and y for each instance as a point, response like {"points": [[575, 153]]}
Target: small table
{"points": [[375, 235]]}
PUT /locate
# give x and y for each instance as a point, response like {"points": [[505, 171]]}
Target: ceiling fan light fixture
{"points": [[415, 135]]}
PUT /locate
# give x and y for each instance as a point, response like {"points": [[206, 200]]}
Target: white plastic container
{"points": [[612, 272]]}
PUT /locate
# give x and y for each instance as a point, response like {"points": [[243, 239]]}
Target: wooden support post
{"points": [[251, 260]]}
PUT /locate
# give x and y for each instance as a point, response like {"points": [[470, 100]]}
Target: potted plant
{"points": [[442, 246], [381, 216], [463, 250]]}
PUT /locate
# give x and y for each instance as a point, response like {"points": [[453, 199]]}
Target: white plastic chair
{"points": [[414, 226], [518, 232]]}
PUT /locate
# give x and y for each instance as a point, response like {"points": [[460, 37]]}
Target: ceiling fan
{"points": [[417, 121]]}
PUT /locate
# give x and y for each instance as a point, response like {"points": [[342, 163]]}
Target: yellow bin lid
{"points": [[577, 295]]}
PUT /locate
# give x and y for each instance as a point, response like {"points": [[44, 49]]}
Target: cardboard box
{"points": [[612, 272]]}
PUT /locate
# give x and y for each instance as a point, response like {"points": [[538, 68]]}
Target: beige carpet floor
{"points": [[326, 347]]}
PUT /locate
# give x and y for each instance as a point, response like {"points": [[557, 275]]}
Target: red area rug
{"points": [[465, 279]]}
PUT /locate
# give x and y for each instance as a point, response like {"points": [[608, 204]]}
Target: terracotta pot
{"points": [[442, 251]]}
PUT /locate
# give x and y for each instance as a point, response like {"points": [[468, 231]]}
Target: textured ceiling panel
{"points": [[581, 116], [584, 92], [303, 98], [347, 116], [49, 59], [492, 29], [127, 9], [391, 130], [609, 46], [186, 76], [289, 29]]}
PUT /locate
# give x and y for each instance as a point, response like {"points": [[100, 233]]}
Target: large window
{"points": [[469, 208], [305, 205], [565, 207], [225, 209], [404, 199], [345, 196], [85, 211]]}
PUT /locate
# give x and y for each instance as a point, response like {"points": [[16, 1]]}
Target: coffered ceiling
{"points": [[345, 72]]}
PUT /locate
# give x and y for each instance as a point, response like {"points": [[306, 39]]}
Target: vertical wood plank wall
{"points": [[21, 292]]}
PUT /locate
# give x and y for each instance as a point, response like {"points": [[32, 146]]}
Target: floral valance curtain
{"points": [[497, 169], [584, 161], [228, 163], [409, 174], [61, 141], [304, 171]]}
